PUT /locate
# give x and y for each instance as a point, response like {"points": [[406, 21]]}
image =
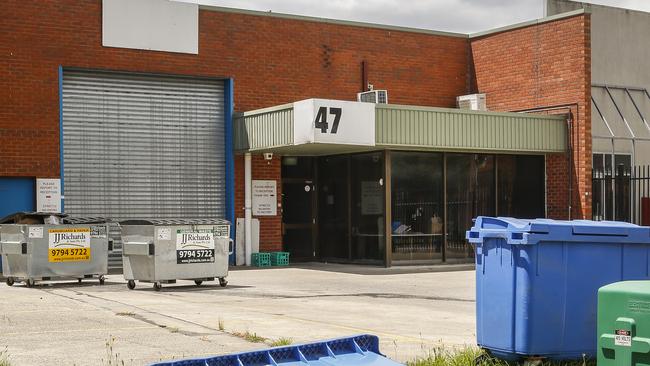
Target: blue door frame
{"points": [[230, 162]]}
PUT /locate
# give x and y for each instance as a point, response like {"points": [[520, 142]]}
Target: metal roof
{"points": [[402, 127], [350, 23], [388, 27]]}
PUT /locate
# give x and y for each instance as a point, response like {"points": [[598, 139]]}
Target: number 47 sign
{"points": [[334, 122], [321, 119]]}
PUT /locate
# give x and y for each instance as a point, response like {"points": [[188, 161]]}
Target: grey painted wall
{"points": [[619, 42], [620, 56]]}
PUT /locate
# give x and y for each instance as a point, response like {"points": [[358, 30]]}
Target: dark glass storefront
{"points": [[335, 207]]}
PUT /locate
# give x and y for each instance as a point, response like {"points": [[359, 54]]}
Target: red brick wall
{"points": [[545, 65], [275, 61], [270, 226], [272, 61]]}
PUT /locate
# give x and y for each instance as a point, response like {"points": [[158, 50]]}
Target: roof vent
{"points": [[373, 96], [472, 102]]}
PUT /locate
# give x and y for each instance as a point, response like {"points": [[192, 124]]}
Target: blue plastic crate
{"points": [[361, 350], [537, 281]]}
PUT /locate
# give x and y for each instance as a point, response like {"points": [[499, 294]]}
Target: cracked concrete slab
{"points": [[412, 311]]}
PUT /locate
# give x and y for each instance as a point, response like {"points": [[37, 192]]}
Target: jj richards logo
{"points": [[195, 239], [65, 238]]}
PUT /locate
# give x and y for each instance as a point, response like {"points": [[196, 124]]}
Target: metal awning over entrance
{"points": [[323, 127]]}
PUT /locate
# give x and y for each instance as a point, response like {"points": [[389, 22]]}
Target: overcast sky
{"points": [[463, 16]]}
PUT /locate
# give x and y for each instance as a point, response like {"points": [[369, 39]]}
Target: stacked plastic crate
{"points": [[274, 259]]}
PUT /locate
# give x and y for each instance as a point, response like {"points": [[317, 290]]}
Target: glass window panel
{"points": [[484, 196], [417, 205], [622, 185], [609, 188], [598, 188], [297, 167], [521, 186], [624, 160], [470, 192]]}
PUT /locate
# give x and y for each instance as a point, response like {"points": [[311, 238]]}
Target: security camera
{"points": [[268, 156]]}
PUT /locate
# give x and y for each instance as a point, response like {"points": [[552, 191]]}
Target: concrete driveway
{"points": [[411, 309]]}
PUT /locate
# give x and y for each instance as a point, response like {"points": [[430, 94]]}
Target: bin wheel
{"points": [[78, 280], [130, 284], [198, 282], [10, 281], [157, 286], [102, 279], [223, 282], [29, 282]]}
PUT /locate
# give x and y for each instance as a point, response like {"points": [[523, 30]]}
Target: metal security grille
{"points": [[140, 146], [621, 193]]}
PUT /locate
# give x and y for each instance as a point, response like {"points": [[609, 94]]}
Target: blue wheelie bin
{"points": [[537, 282], [361, 350]]}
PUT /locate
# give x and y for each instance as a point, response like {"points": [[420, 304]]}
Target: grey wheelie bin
{"points": [[165, 250], [43, 246]]}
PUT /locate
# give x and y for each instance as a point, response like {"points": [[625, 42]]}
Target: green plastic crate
{"points": [[279, 259], [261, 259]]}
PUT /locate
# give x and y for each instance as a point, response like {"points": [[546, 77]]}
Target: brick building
{"points": [[146, 122]]}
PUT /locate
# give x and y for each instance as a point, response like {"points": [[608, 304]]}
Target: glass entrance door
{"points": [[298, 203], [351, 208], [334, 208], [367, 209]]}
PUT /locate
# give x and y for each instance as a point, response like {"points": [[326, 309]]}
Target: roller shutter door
{"points": [[139, 146]]}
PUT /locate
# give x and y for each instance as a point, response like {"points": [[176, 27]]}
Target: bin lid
{"points": [[49, 218], [32, 218], [629, 288], [362, 350], [534, 231], [174, 222]]}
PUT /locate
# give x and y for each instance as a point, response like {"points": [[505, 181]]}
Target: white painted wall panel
{"points": [[158, 25]]}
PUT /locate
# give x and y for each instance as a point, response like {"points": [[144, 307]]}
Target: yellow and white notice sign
{"points": [[69, 245]]}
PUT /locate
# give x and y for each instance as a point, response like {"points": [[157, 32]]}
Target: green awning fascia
{"points": [[263, 129], [403, 127], [446, 129]]}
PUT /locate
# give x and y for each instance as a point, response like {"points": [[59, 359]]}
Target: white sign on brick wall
{"points": [[48, 195], [265, 195]]}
